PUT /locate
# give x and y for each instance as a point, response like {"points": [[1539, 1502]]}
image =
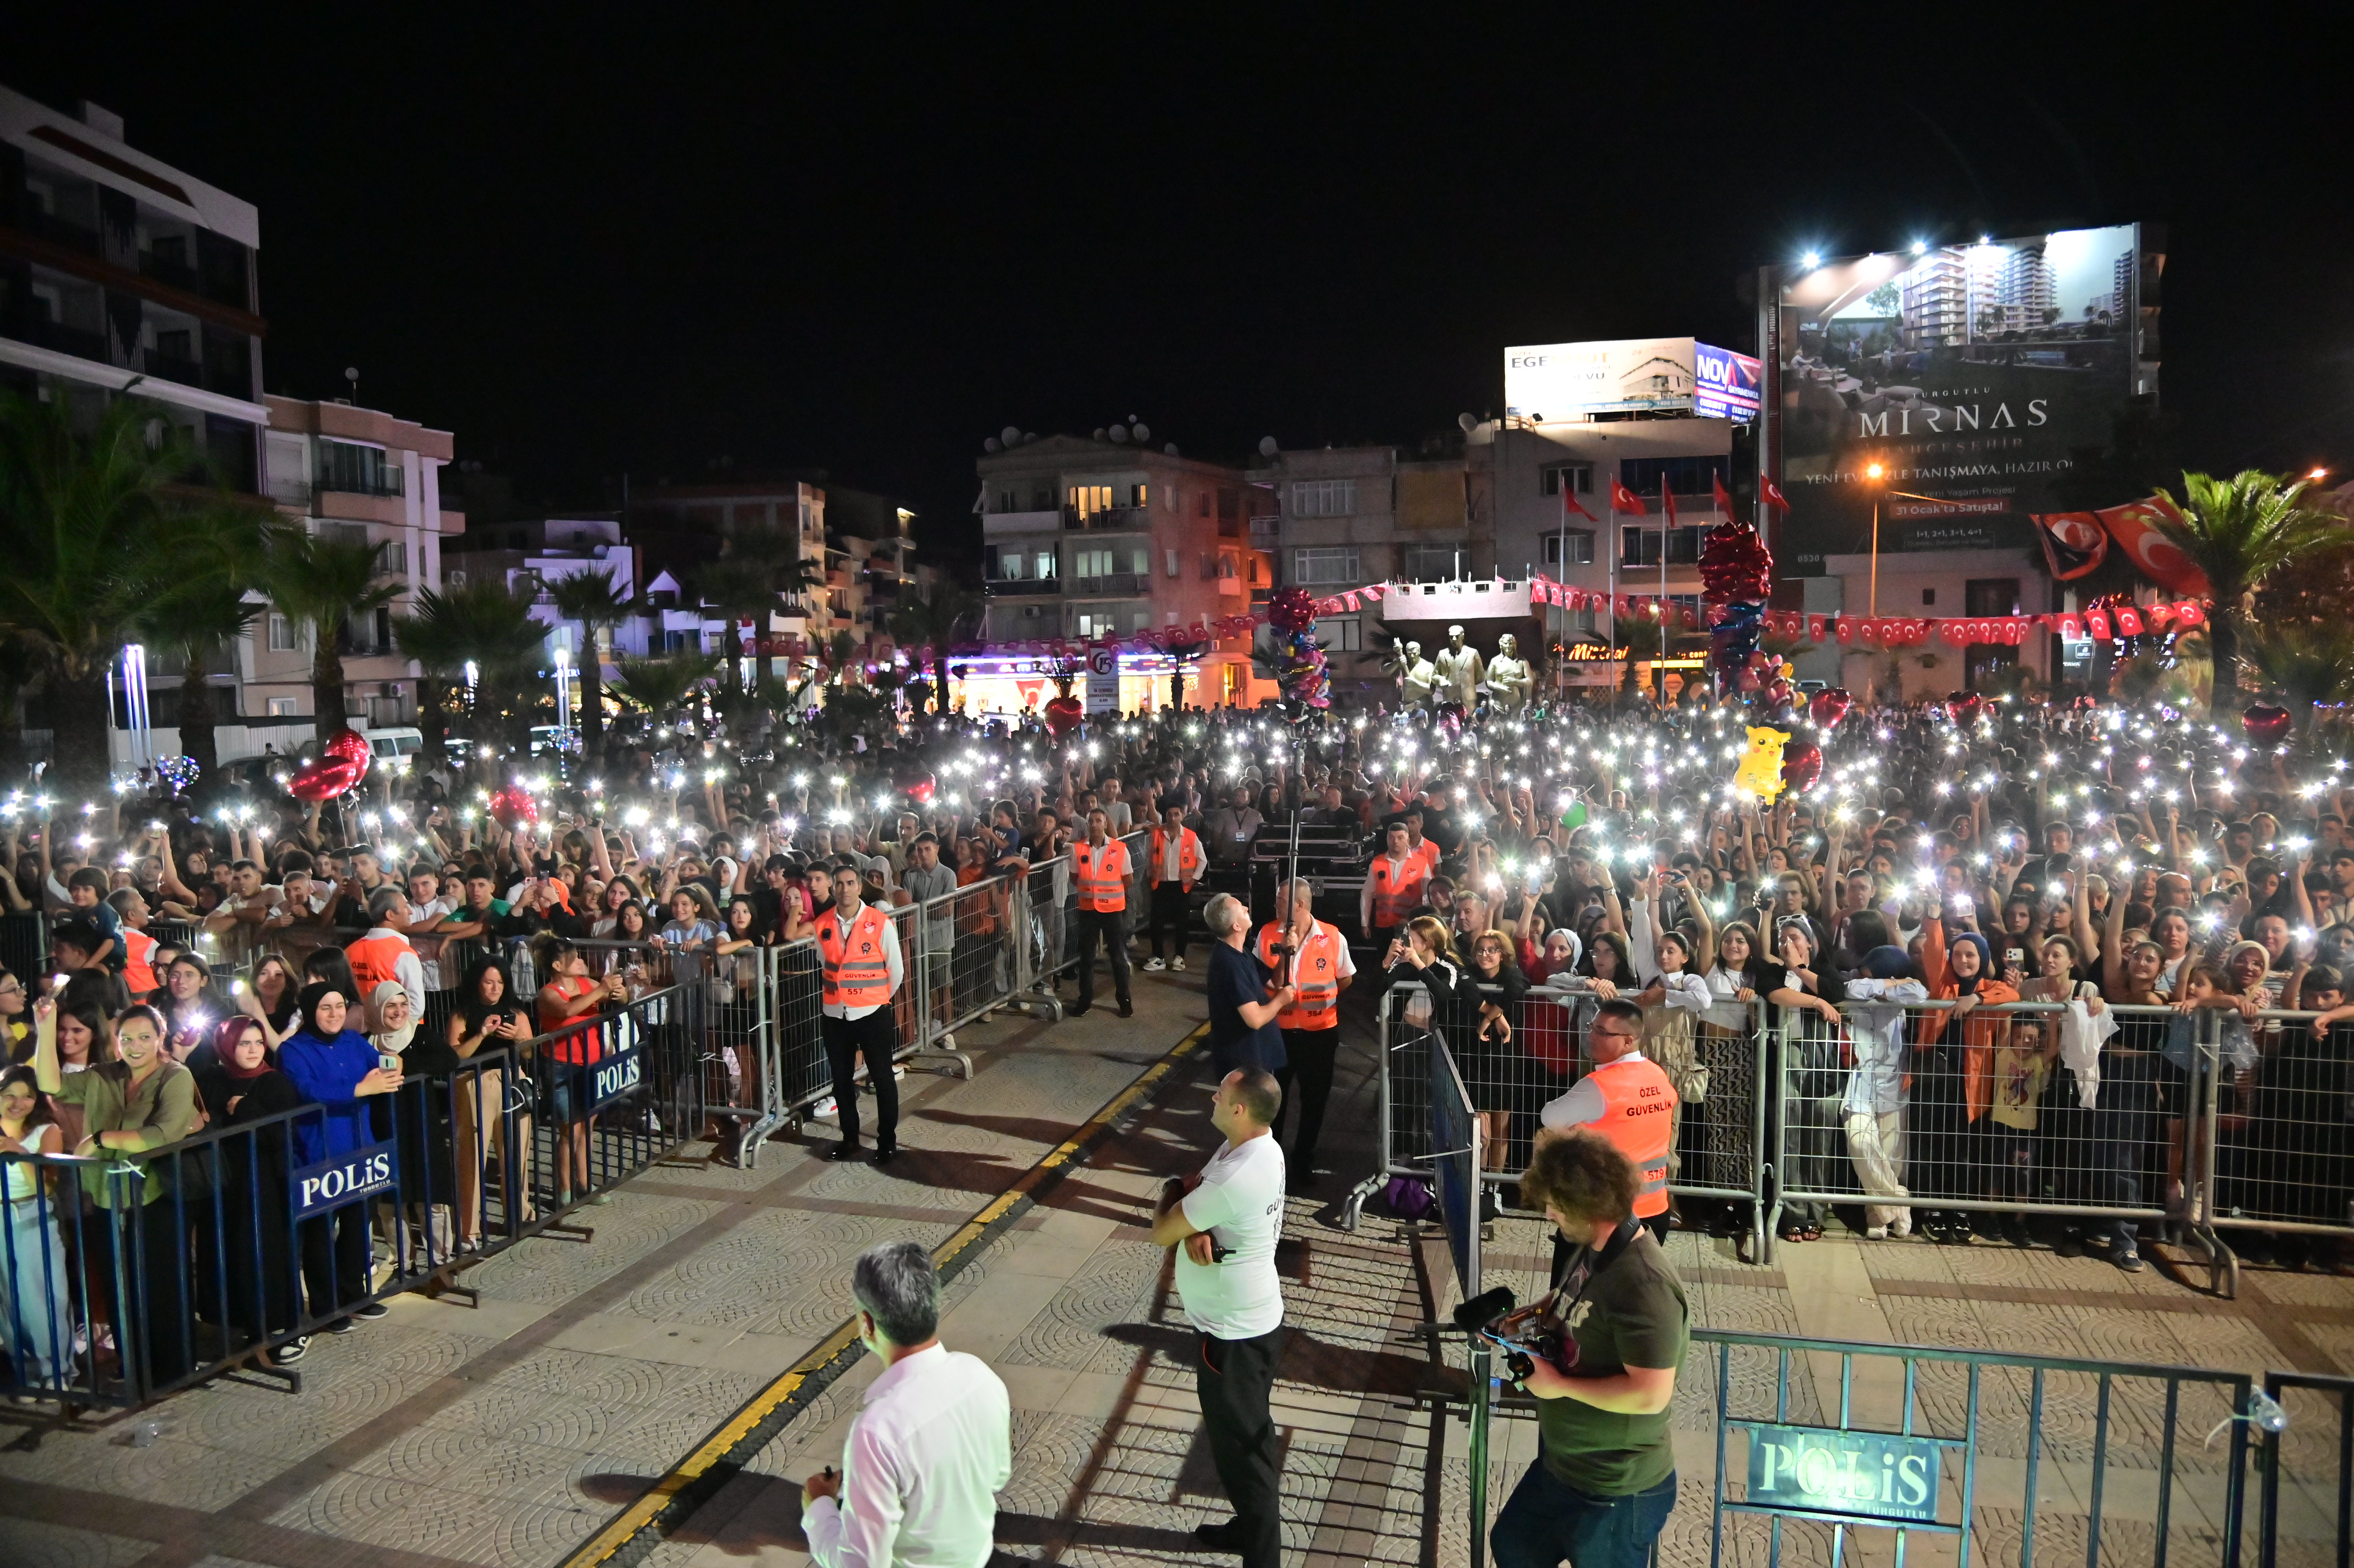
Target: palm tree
{"points": [[841, 652], [20, 671], [2239, 532], [664, 685], [590, 598], [479, 623], [934, 621], [202, 566], [2305, 664], [326, 584], [77, 510], [756, 568]]}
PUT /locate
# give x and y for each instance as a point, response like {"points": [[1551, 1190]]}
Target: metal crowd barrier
{"points": [[2306, 1470], [1721, 1119], [129, 1276], [25, 943]]}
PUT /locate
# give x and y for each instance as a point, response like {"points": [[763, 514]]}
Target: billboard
{"points": [[1726, 384], [1556, 381], [1971, 375]]}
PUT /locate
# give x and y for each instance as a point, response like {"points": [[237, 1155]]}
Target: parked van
{"points": [[383, 745]]}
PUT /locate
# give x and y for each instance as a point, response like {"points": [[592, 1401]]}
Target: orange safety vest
{"points": [[858, 965], [1638, 1106], [138, 961], [1103, 875], [1396, 890], [1318, 1004], [1189, 855], [373, 961], [1426, 852]]}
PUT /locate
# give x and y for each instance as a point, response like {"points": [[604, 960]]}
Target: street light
{"points": [[1872, 473], [563, 693]]}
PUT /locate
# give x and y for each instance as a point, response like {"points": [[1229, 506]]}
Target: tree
{"points": [[204, 564], [20, 671], [77, 512], [663, 685], [2307, 663], [934, 621], [756, 568], [326, 584], [481, 623], [590, 598], [2239, 532]]}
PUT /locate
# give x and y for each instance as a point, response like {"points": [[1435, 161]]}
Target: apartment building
{"points": [[1091, 536], [117, 268], [532, 557], [348, 472]]}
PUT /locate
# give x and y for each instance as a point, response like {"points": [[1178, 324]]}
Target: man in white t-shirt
{"points": [[1224, 1223]]}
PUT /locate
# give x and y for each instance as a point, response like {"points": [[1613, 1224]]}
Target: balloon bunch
{"points": [[1301, 668], [1735, 572], [180, 772], [341, 763]]}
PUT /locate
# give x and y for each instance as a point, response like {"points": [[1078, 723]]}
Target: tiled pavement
{"points": [[511, 1432]]}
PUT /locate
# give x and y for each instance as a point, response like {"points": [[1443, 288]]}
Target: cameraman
{"points": [[1605, 1481]]}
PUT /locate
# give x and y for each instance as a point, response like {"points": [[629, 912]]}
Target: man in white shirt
{"points": [[932, 1446], [1224, 1223]]}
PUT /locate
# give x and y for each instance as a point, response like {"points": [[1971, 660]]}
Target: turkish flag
{"points": [[1816, 626], [1723, 502], [1667, 501], [1772, 495], [1569, 504], [2153, 555], [2074, 543], [1625, 500]]}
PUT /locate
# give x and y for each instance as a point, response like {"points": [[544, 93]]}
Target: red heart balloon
{"points": [[1830, 705], [322, 779], [1964, 707], [2267, 723], [514, 808], [350, 747], [1062, 716], [1802, 763], [919, 787]]}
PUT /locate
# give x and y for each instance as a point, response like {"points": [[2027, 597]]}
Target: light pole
{"points": [[1873, 474], [563, 692]]}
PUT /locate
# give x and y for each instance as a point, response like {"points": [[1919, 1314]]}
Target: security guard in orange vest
{"points": [[1628, 1099], [1311, 957], [858, 954], [1100, 865], [1396, 884], [1172, 865]]}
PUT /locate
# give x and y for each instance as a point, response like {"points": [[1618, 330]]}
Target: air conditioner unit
{"points": [[453, 579]]}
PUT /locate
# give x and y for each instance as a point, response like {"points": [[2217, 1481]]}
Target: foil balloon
{"points": [[1760, 773], [2266, 723], [1062, 715], [514, 808], [1291, 608], [1734, 564], [1829, 706], [920, 787], [1964, 707], [1802, 763], [350, 747], [322, 779]]}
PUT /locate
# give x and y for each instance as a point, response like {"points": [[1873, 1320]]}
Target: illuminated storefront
{"points": [[991, 683]]}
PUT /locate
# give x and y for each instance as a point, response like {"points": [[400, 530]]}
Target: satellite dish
{"points": [[1029, 435], [991, 444], [1468, 422], [1140, 432], [1171, 448], [1120, 434], [1267, 446], [1100, 432], [1010, 434]]}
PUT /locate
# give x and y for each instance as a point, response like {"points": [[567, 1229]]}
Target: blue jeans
{"points": [[1547, 1522]]}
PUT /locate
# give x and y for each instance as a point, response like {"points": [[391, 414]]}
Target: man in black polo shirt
{"points": [[1606, 1479]]}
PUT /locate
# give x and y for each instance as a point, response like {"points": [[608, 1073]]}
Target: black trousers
{"points": [[1108, 927], [1167, 915], [876, 1034], [1233, 1381], [1311, 1052], [335, 1260]]}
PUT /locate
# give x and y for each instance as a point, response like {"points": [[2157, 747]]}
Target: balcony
{"points": [[1003, 588], [993, 524], [58, 231], [1117, 585], [1640, 547], [176, 367], [170, 271], [1262, 528], [1111, 519], [90, 345]]}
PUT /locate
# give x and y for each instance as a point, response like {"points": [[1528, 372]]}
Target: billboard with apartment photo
{"points": [[1971, 374], [1556, 381]]}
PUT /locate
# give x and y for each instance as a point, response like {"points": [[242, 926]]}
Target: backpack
{"points": [[1409, 1198]]}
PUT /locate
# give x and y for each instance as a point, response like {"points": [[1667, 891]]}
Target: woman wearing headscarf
{"points": [[1953, 1073], [338, 1070], [251, 1255]]}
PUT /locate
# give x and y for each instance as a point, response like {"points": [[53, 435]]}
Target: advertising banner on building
{"points": [[1725, 384], [1973, 376], [1557, 381]]}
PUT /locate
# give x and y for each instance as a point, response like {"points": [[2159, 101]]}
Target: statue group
{"points": [[1459, 677]]}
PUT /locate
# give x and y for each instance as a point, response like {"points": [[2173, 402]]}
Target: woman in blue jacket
{"points": [[336, 1069]]}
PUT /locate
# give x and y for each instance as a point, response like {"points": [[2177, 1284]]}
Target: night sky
{"points": [[588, 252]]}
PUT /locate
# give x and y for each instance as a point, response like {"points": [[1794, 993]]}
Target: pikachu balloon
{"points": [[1760, 773]]}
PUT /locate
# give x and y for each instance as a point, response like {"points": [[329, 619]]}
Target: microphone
{"points": [[1483, 1309]]}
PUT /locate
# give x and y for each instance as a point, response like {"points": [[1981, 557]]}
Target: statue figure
{"points": [[1419, 677], [1460, 670], [1508, 677]]}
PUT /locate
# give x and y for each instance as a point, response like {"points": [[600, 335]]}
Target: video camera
{"points": [[1526, 1336]]}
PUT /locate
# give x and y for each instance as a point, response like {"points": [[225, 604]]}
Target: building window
{"points": [[1578, 542], [357, 470], [392, 558], [1086, 500], [1578, 477], [1139, 494], [282, 707], [1434, 562], [1008, 566], [1091, 563], [1324, 565], [1685, 475], [1323, 497], [1201, 503], [1171, 562], [1045, 565], [1341, 634], [1008, 502], [281, 635]]}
